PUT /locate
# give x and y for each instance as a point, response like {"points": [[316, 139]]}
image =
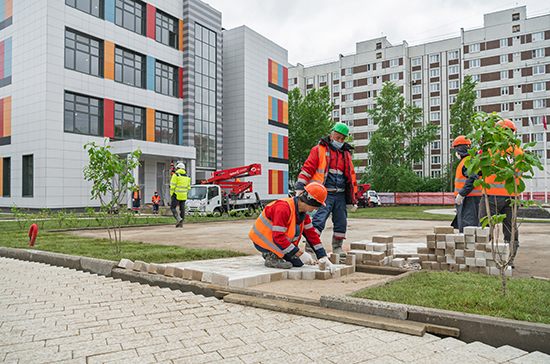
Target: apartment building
{"points": [[509, 57]]}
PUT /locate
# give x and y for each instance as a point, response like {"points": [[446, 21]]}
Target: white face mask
{"points": [[458, 155]]}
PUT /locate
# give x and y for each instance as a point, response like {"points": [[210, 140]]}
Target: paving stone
{"points": [[126, 264]]}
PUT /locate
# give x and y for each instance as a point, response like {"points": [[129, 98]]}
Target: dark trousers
{"points": [[500, 205], [296, 261], [155, 207], [335, 205], [467, 212], [174, 203]]}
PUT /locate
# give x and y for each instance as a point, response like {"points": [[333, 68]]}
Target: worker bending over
{"points": [[277, 232]]}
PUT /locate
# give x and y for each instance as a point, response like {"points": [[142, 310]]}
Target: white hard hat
{"points": [[180, 165]]}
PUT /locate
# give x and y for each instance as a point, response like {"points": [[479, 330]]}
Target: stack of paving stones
{"points": [[466, 252], [250, 271], [378, 252]]}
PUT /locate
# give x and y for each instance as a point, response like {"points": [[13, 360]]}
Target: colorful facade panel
{"points": [[5, 121], [278, 111], [277, 76], [278, 182], [278, 148], [5, 62]]}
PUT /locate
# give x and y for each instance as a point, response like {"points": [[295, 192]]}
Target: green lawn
{"points": [[526, 299], [403, 212]]}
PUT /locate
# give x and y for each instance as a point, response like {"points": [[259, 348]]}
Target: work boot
{"points": [[180, 222], [337, 247], [516, 246], [273, 261]]}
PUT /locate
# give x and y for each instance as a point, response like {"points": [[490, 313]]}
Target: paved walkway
{"points": [[57, 315]]}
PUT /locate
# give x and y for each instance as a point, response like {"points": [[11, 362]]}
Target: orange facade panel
{"points": [[8, 12], [109, 60], [181, 35], [7, 116], [150, 125]]}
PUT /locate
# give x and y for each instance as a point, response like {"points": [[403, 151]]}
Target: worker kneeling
{"points": [[277, 232]]}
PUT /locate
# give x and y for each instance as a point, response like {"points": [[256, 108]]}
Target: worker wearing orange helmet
{"points": [[136, 197], [467, 197], [156, 202], [500, 201], [277, 231]]}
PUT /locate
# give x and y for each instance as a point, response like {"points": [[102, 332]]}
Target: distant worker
{"points": [[330, 163], [180, 184], [501, 202], [156, 203], [136, 203], [172, 169], [277, 232], [467, 196]]}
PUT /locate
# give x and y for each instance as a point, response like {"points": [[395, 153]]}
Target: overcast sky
{"points": [[316, 31]]}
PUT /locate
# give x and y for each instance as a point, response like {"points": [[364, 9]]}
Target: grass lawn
{"points": [[526, 299], [403, 212]]}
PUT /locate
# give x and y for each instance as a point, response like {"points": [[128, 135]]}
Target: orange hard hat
{"points": [[507, 124], [156, 191], [461, 140], [314, 195]]}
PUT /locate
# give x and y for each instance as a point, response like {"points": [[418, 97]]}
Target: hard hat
{"points": [[314, 195], [507, 124], [341, 128], [180, 166], [461, 140], [156, 191]]}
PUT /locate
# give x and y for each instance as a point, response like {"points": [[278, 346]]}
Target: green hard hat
{"points": [[341, 128]]}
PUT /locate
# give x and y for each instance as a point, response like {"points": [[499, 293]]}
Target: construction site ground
{"points": [[531, 261]]}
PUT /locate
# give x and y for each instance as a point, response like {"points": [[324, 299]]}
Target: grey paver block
{"points": [[125, 263]]}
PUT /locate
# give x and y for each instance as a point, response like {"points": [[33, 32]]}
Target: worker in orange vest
{"points": [[277, 232], [467, 196], [136, 199], [501, 202], [156, 203]]}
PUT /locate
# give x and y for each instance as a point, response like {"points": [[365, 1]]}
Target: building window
{"points": [[28, 171], [166, 29], [434, 58], [416, 76], [417, 103], [515, 16], [537, 53], [130, 14], [336, 88], [539, 86], [92, 7], [538, 137], [453, 70], [474, 48], [539, 104], [370, 121], [83, 53], [349, 110], [436, 174], [452, 99], [348, 84], [434, 87], [537, 120], [336, 113], [475, 63], [348, 71], [434, 116], [504, 43], [453, 85], [370, 81], [378, 55], [505, 107], [478, 94], [418, 173], [476, 78], [503, 75], [206, 98], [335, 75], [348, 97], [503, 58], [336, 100], [504, 91], [453, 55], [435, 101], [6, 177], [416, 61], [309, 81], [165, 128], [539, 152], [83, 115], [515, 28], [434, 72], [436, 159], [129, 122], [537, 36], [394, 62], [539, 70], [129, 67], [166, 77], [394, 77], [416, 90], [291, 82], [379, 45], [370, 107], [436, 145], [323, 78]]}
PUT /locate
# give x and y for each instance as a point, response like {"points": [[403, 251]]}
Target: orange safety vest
{"points": [[137, 195], [262, 231], [498, 188], [460, 180], [156, 199], [324, 159]]}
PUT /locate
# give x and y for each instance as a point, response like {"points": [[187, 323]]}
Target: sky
{"points": [[317, 31]]}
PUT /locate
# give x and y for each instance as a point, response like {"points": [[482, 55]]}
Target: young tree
{"points": [[399, 141], [112, 179], [462, 111], [497, 155], [309, 119]]}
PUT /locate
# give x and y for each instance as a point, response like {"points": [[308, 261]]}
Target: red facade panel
{"points": [[109, 120], [151, 16]]}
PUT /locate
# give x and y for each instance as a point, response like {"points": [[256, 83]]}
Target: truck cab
{"points": [[206, 199]]}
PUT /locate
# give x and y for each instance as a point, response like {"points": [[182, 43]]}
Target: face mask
{"points": [[311, 213], [337, 145], [458, 155]]}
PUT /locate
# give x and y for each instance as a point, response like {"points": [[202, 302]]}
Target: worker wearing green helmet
{"points": [[329, 163]]}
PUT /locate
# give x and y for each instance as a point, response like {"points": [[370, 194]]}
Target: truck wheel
{"points": [[250, 211], [217, 212]]}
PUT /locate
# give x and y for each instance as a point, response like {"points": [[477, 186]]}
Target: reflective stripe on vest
{"points": [[262, 231], [461, 179]]}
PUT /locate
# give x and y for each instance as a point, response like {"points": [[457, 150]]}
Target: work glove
{"points": [[458, 199], [306, 258], [329, 265]]}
